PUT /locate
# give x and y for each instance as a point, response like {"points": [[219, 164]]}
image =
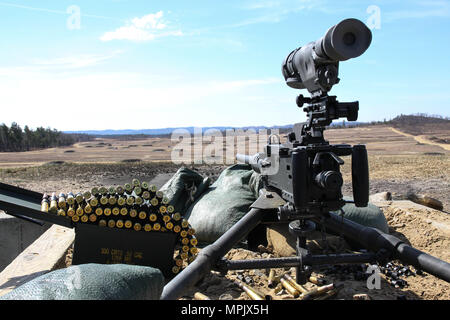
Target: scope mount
{"points": [[321, 111]]}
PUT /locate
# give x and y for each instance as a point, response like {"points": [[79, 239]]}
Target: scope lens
{"points": [[349, 38]]}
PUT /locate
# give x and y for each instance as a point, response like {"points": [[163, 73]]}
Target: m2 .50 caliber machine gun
{"points": [[302, 178]]}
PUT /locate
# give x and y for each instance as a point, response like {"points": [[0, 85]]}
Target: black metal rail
{"points": [[26, 204]]}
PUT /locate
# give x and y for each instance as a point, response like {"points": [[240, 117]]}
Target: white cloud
{"points": [[146, 28], [74, 62]]}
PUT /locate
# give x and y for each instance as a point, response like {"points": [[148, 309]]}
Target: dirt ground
{"points": [[398, 164]]}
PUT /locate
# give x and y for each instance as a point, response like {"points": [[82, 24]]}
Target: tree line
{"points": [[16, 139]]}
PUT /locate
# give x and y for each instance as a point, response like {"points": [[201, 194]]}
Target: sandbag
{"points": [[370, 216], [93, 282], [224, 203], [184, 188]]}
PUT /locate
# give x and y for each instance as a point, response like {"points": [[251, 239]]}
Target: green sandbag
{"points": [[224, 203], [184, 188], [93, 282], [370, 216]]}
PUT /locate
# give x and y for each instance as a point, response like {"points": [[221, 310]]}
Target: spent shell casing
{"points": [[289, 288], [294, 283], [249, 291], [200, 296], [271, 279], [317, 281]]}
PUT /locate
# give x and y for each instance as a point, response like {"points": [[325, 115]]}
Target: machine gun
{"points": [[302, 178]]}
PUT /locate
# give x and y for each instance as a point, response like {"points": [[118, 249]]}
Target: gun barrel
{"points": [[254, 160]]}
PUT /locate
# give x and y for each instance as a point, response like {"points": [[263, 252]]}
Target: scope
{"points": [[315, 66]]}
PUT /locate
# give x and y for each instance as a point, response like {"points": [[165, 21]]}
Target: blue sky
{"points": [[153, 64]]}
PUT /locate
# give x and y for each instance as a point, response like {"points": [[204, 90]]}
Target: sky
{"points": [[95, 65]]}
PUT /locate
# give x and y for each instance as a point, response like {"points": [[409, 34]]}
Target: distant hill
{"points": [[168, 131], [420, 124]]}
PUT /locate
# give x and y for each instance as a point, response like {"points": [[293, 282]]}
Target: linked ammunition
{"points": [[124, 211], [107, 212], [294, 283], [170, 209], [176, 229], [45, 205], [193, 250], [99, 211], [175, 269], [111, 223], [154, 202], [84, 218], [102, 223], [331, 293], [148, 227], [93, 202], [144, 185], [104, 200], [92, 218], [146, 195], [169, 225], [133, 213], [152, 188], [128, 224], [142, 215], [165, 200], [130, 201], [94, 191], [115, 211], [200, 296], [88, 209], [184, 223], [87, 195], [163, 209], [120, 190], [62, 201], [103, 191], [119, 224], [138, 200], [176, 216], [79, 198], [136, 183], [159, 195], [137, 191], [79, 211], [194, 242], [112, 190], [137, 227], [71, 211], [53, 204], [128, 188], [153, 217], [112, 200], [121, 201], [75, 218], [61, 212], [289, 288], [70, 198], [191, 231]]}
